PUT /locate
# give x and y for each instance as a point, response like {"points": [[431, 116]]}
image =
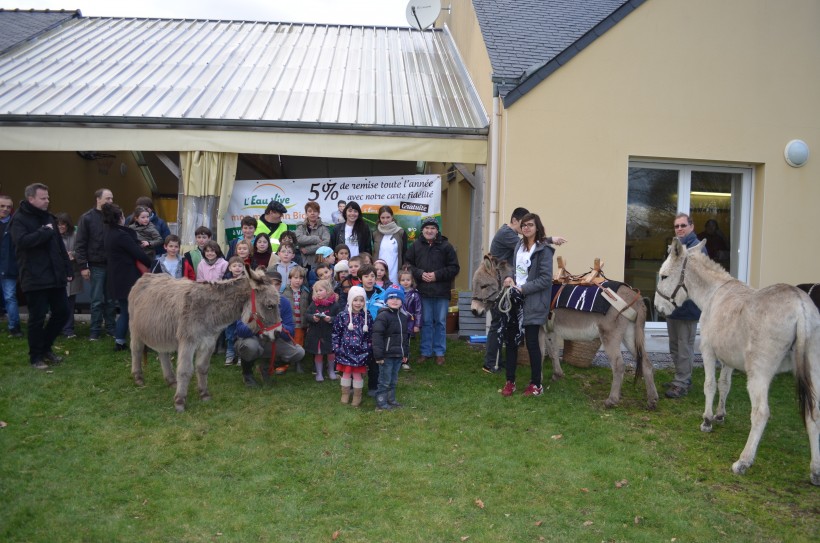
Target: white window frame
{"points": [[741, 218]]}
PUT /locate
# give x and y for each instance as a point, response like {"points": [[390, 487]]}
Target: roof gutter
{"points": [[239, 124]]}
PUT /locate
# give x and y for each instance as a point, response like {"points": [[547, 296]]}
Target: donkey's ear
{"points": [[699, 248], [676, 249], [257, 277]]}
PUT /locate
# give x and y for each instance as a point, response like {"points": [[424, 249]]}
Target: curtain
{"points": [[207, 183]]}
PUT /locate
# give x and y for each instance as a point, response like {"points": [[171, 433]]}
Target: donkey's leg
{"points": [[813, 415], [203, 362], [758, 387], [813, 429], [549, 345], [137, 348], [185, 368], [709, 385], [612, 346], [724, 385], [167, 369]]}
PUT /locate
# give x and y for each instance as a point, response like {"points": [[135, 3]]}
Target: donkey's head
{"points": [[261, 312], [671, 290], [487, 284]]}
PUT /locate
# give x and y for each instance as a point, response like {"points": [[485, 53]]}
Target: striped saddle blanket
{"points": [[583, 297]]}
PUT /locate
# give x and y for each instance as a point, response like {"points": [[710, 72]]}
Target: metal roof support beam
{"points": [[468, 176]]}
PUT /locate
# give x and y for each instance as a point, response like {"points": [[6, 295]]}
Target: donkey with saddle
{"points": [[581, 312]]}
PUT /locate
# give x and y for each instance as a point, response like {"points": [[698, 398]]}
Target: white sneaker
{"points": [[405, 367], [229, 361]]}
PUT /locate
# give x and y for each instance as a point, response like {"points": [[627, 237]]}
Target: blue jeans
{"points": [[10, 296], [388, 377], [41, 335], [122, 322], [434, 326], [102, 308], [230, 338], [68, 329]]}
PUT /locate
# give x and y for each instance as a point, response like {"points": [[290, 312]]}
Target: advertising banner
{"points": [[411, 197]]}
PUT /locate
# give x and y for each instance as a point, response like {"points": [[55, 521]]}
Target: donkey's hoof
{"points": [[139, 381], [815, 478], [720, 418], [557, 376], [206, 397], [740, 467], [609, 403], [172, 384], [651, 405], [706, 426], [179, 404]]}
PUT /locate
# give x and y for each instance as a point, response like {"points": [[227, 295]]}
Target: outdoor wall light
{"points": [[796, 153]]}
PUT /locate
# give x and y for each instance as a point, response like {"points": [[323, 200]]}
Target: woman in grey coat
{"points": [[533, 279]]}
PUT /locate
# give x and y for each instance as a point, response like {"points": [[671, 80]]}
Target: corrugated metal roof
{"points": [[241, 74]]}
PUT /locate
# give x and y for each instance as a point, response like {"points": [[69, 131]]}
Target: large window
{"points": [[718, 199]]}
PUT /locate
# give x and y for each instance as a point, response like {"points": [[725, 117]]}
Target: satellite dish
{"points": [[422, 14]]}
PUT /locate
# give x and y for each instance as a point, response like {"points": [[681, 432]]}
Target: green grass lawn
{"points": [[87, 456]]}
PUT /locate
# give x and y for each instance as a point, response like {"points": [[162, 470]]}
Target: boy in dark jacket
{"points": [[391, 347]]}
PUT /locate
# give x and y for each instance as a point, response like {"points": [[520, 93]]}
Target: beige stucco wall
{"points": [[729, 82]]}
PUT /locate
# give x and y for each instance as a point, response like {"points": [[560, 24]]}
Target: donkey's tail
{"points": [[806, 353], [640, 340]]}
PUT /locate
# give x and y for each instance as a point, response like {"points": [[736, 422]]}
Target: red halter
{"points": [[255, 317]]}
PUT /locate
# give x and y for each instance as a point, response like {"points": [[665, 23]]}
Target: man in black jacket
{"points": [[434, 265], [44, 270], [91, 257]]}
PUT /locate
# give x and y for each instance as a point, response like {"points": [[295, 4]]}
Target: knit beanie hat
{"points": [[394, 292], [341, 266], [430, 221], [354, 293]]}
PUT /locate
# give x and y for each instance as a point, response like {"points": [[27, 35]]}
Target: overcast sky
{"points": [[358, 12]]}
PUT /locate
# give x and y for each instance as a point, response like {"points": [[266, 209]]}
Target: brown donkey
{"points": [[168, 315]]}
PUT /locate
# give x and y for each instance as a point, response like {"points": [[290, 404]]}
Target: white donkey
{"points": [[762, 332]]}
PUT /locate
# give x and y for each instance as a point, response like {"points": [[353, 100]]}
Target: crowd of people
{"points": [[351, 298]]}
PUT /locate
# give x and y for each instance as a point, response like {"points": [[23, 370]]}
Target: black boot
{"points": [[391, 400], [247, 374], [381, 403]]}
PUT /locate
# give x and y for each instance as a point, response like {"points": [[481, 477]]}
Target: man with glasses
{"points": [[682, 324]]}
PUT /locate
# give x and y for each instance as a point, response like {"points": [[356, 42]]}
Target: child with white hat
{"points": [[352, 345]]}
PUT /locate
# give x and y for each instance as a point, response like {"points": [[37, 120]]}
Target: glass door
{"points": [[717, 198]]}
